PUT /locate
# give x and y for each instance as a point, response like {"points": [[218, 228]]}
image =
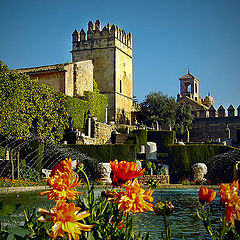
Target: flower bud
{"points": [[162, 209]]}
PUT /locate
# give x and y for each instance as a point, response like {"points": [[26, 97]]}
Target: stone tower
{"points": [[110, 50], [189, 86]]}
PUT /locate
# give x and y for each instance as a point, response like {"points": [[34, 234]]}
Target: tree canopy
{"points": [[163, 109], [28, 108]]}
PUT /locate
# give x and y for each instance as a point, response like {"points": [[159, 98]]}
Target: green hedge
{"points": [[78, 108], [108, 152], [162, 138], [182, 158], [138, 137]]}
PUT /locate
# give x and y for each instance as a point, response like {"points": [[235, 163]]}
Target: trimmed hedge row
{"points": [[78, 108], [182, 158], [137, 137], [108, 152], [162, 138]]}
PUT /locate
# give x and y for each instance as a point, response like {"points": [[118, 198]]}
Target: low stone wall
{"points": [[102, 132], [22, 189], [158, 179]]}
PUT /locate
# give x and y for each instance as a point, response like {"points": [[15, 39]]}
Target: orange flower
{"points": [[65, 217], [231, 200], [124, 171], [206, 195], [61, 180], [228, 192], [134, 198]]}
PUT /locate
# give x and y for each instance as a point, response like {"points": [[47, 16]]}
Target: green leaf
{"points": [[18, 231]]}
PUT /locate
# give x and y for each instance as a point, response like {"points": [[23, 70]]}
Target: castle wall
{"points": [[53, 79], [124, 86], [78, 78], [206, 129], [71, 79], [110, 50]]}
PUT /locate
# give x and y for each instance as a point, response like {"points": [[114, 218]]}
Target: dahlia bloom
{"points": [[134, 198], [61, 181], [124, 171], [65, 217], [206, 195], [228, 192], [231, 200]]}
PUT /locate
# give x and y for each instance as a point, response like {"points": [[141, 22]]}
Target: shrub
{"points": [[162, 138], [108, 152], [182, 158], [138, 137]]}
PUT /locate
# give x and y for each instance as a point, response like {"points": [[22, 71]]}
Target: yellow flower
{"points": [[61, 181], [134, 198], [228, 192], [231, 200], [65, 218], [124, 171]]}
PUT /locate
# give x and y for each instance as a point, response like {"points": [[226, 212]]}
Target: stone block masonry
{"points": [[110, 50]]}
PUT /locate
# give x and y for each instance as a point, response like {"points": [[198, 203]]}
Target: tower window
{"points": [[120, 86]]}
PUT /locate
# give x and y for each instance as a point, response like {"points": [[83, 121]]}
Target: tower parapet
{"points": [[110, 35]]}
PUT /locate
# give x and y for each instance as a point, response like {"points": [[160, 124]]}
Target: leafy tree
{"points": [[184, 117], [166, 111], [159, 107], [29, 108]]}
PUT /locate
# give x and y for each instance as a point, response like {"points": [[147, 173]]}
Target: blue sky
{"points": [[169, 37]]}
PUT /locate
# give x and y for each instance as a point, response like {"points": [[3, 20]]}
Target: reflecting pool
{"points": [[184, 222]]}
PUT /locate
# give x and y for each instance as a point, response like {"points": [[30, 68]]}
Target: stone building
{"points": [[110, 50], [71, 79], [209, 124], [189, 93]]}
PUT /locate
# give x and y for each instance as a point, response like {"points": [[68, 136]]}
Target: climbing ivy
{"points": [[91, 101]]}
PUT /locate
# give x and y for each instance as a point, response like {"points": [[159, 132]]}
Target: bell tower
{"points": [[189, 87], [110, 50]]}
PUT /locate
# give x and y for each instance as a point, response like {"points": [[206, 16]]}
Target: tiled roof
{"points": [[56, 67], [188, 75]]}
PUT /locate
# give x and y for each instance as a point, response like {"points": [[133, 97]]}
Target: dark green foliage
{"points": [[163, 109], [182, 158], [78, 108], [184, 117], [159, 107], [2, 152], [221, 167], [30, 152], [28, 173], [108, 152], [138, 137], [162, 138]]}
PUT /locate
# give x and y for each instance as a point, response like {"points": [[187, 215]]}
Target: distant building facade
{"points": [[209, 124]]}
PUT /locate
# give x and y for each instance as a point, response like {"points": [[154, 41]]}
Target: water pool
{"points": [[183, 220]]}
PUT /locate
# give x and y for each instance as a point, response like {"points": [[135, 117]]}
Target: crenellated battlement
{"points": [[219, 113], [95, 37]]}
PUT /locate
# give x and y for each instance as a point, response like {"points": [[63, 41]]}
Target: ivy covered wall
{"points": [[77, 108]]}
